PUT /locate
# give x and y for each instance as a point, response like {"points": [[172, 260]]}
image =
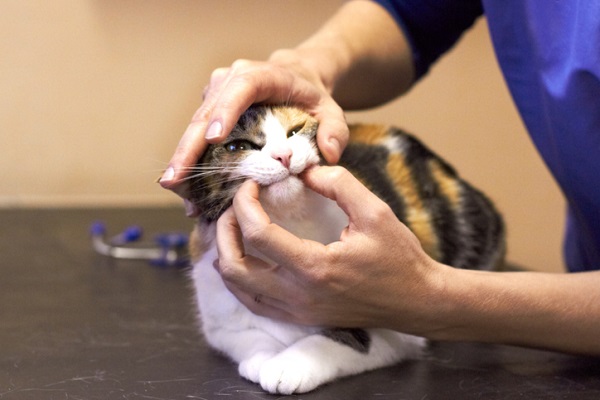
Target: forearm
{"points": [[552, 311], [360, 54]]}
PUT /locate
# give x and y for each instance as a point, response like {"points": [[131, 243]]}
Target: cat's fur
{"points": [[455, 223]]}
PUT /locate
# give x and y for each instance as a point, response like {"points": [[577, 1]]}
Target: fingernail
{"points": [[333, 142], [334, 150], [168, 175], [214, 130]]}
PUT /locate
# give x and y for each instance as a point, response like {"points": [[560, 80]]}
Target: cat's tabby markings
{"points": [[455, 223]]}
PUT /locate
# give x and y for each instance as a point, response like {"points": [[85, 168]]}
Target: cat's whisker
{"points": [[209, 173], [213, 170], [216, 182], [200, 173], [288, 101], [205, 166]]}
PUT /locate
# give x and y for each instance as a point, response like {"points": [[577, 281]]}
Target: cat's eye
{"points": [[240, 145], [295, 130]]}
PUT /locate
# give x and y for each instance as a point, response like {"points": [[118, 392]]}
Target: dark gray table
{"points": [[76, 325]]}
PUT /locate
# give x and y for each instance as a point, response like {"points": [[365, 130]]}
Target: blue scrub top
{"points": [[549, 53]]}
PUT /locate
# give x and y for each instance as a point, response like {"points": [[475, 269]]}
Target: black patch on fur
{"points": [[249, 117], [443, 217], [214, 197], [358, 339], [369, 163], [485, 225]]}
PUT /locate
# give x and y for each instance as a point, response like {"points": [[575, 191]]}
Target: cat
{"points": [[455, 223]]}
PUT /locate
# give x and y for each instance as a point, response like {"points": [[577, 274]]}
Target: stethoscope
{"points": [[169, 249]]}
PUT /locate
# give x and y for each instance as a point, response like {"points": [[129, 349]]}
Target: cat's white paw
{"points": [[250, 368], [287, 375]]}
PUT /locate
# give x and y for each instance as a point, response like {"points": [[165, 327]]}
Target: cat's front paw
{"points": [[285, 375], [250, 368]]}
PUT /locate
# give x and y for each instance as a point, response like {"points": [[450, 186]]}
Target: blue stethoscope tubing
{"points": [[170, 249]]}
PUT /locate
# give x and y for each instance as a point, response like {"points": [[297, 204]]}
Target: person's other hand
{"points": [[376, 274], [282, 80]]}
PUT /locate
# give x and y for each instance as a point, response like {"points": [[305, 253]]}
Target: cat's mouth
{"points": [[280, 175]]}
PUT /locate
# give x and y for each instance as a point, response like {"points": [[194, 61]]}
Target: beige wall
{"points": [[94, 95]]}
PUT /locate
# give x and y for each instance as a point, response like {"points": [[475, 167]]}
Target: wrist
{"points": [[438, 303], [471, 305]]}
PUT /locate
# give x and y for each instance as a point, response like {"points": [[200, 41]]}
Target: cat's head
{"points": [[271, 145]]}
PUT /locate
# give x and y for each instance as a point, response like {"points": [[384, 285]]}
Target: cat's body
{"points": [[455, 224]]}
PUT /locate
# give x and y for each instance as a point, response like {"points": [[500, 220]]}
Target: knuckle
{"points": [[228, 271], [240, 63], [217, 79], [202, 114], [245, 81], [319, 277], [380, 211], [322, 271], [333, 256], [283, 55], [205, 92], [339, 173], [218, 74], [255, 235]]}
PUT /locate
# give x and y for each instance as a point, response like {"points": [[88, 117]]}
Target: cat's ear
{"points": [[183, 190], [191, 209]]}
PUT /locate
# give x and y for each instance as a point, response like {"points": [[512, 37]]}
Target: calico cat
{"points": [[455, 223]]}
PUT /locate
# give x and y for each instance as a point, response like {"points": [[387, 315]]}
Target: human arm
{"points": [[360, 55], [377, 275], [543, 310]]}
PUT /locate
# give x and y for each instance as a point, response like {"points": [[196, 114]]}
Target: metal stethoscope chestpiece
{"points": [[169, 249]]}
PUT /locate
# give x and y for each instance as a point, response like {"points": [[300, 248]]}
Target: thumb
{"points": [[332, 137], [339, 185]]}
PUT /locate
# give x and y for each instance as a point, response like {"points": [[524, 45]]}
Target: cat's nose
{"points": [[283, 155]]}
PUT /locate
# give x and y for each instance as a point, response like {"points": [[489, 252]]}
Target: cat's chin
{"points": [[284, 195]]}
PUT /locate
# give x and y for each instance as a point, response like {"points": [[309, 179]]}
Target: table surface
{"points": [[77, 325]]}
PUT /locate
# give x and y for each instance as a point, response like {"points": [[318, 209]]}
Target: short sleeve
{"points": [[432, 26]]}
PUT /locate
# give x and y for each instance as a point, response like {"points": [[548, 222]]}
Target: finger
{"points": [[230, 245], [260, 82], [193, 144], [278, 244], [237, 267], [261, 304], [218, 76], [219, 81], [245, 275], [253, 299], [189, 149], [339, 185], [332, 135]]}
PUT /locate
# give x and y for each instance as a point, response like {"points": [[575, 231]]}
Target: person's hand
{"points": [[376, 274], [282, 80]]}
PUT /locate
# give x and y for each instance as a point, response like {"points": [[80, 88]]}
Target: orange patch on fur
{"points": [[417, 217], [292, 117], [368, 133], [448, 184]]}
